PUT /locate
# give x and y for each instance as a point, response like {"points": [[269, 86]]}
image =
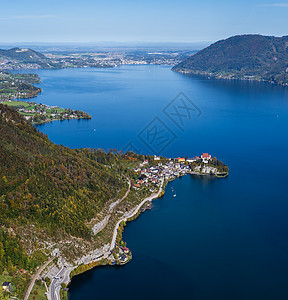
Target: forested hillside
{"points": [[48, 184], [242, 57], [50, 191]]}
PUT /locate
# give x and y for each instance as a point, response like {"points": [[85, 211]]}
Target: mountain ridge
{"points": [[22, 54], [249, 56], [25, 58]]}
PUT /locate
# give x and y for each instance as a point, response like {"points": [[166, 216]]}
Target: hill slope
{"points": [[48, 184], [22, 54], [17, 58], [242, 57], [48, 195]]}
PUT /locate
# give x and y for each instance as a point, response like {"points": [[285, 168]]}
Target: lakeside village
{"points": [[167, 169], [198, 165], [42, 113]]}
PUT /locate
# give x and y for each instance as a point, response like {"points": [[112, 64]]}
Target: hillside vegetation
{"points": [[48, 184], [49, 193], [253, 57]]}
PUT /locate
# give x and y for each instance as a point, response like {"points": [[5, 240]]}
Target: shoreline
{"points": [[209, 76], [103, 253], [134, 212], [65, 271], [40, 114]]}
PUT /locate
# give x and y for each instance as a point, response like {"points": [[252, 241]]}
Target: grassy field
{"points": [[38, 292], [26, 114], [16, 103]]}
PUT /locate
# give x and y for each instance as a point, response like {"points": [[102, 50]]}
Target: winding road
{"points": [[134, 212], [64, 274], [55, 287], [104, 222], [35, 276]]}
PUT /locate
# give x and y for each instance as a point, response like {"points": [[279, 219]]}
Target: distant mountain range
{"points": [[17, 58], [251, 57]]}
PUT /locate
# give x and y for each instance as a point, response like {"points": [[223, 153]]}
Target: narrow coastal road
{"points": [[35, 276], [134, 212], [64, 274], [106, 219]]}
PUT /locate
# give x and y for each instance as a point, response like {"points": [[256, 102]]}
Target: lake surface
{"points": [[219, 238]]}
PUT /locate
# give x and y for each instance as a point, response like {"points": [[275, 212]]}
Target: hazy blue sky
{"points": [[132, 20]]}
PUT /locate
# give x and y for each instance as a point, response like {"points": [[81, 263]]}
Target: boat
{"points": [[174, 195]]}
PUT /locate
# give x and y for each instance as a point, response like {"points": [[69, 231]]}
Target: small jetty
{"points": [[147, 206]]}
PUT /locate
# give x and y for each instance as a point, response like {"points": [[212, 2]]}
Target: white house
{"points": [[190, 160]]}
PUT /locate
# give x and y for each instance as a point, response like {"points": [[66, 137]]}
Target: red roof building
{"points": [[126, 250], [206, 156]]}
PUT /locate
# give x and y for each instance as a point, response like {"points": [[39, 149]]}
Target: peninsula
{"points": [[65, 209], [21, 86], [42, 113]]}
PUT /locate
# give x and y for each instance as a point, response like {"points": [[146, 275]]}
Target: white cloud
{"points": [[275, 5]]}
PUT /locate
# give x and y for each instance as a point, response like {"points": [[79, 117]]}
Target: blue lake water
{"points": [[219, 238]]}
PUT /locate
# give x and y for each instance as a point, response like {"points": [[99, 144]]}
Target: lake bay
{"points": [[219, 238]]}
